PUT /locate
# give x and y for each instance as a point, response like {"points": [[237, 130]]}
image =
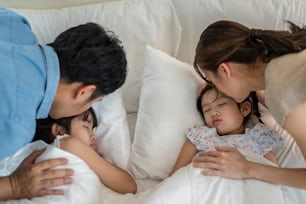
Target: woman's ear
{"points": [[56, 129], [245, 108], [225, 70]]}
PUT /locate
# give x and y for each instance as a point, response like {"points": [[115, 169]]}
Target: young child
{"points": [[75, 135], [225, 125]]}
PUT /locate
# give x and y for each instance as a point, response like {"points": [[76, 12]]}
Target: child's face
{"points": [[83, 130], [222, 112]]}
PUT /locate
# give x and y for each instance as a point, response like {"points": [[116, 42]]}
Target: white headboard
{"points": [[46, 4]]}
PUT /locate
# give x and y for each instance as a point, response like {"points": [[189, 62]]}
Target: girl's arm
{"points": [[110, 175], [185, 157], [270, 156], [230, 163]]}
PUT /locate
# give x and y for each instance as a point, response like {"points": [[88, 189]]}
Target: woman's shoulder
{"points": [[285, 84]]}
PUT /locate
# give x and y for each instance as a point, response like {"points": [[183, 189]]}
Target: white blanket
{"points": [[186, 186], [86, 186]]}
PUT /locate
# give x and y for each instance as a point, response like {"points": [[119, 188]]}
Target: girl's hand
{"points": [[225, 162], [33, 180]]}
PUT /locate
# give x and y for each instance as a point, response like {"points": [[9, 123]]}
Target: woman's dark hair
{"points": [[225, 41], [252, 98], [43, 126], [89, 54]]}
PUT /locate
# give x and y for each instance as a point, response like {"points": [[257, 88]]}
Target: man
{"points": [[61, 79]]}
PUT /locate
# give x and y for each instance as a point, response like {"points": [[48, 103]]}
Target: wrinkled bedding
{"points": [[187, 185], [86, 184]]}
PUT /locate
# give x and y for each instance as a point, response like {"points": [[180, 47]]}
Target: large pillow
{"points": [[167, 108], [113, 138], [135, 22]]}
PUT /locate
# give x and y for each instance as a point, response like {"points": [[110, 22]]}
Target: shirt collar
{"points": [[52, 80]]}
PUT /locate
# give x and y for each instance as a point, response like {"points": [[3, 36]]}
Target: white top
{"points": [[285, 89]]}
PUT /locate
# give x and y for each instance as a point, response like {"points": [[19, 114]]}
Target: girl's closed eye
{"points": [[206, 110], [86, 127], [222, 104]]}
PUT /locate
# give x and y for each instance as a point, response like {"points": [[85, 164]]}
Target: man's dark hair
{"points": [[89, 54]]}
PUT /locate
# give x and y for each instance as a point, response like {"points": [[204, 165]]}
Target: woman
{"points": [[238, 60]]}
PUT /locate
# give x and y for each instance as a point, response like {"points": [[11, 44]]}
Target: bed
{"points": [[142, 125]]}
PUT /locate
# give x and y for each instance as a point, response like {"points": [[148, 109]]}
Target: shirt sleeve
{"points": [[15, 29], [202, 137], [267, 139], [13, 137]]}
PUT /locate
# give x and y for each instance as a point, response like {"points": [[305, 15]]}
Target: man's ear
{"points": [[57, 129], [84, 92], [225, 69], [245, 108]]}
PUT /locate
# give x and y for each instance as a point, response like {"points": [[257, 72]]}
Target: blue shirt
{"points": [[29, 76]]}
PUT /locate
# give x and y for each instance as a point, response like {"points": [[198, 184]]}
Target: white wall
{"points": [[44, 4]]}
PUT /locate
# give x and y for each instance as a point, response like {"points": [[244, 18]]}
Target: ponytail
{"points": [[271, 43], [225, 41]]}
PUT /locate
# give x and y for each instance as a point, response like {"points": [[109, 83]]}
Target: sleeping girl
{"points": [[75, 135], [225, 125]]}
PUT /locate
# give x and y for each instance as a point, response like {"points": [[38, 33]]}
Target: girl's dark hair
{"points": [[43, 126], [89, 54], [252, 98], [225, 41]]}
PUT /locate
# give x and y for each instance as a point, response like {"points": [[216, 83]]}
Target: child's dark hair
{"points": [[252, 98], [43, 126]]}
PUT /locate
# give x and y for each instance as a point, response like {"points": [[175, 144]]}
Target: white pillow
{"points": [[167, 108], [113, 138], [135, 22]]}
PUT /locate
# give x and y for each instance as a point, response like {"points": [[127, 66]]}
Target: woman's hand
{"points": [[225, 162], [33, 180]]}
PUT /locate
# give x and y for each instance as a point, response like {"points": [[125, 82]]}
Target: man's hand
{"points": [[34, 180]]}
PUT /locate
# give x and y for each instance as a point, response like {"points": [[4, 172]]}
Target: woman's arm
{"points": [[230, 163], [187, 153], [110, 175], [294, 124]]}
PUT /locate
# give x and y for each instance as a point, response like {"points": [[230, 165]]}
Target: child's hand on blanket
{"points": [[34, 180]]}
